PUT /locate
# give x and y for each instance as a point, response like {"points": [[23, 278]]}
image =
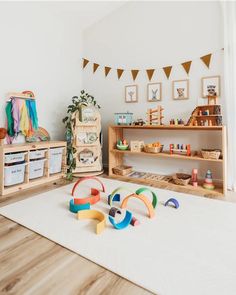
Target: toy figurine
{"points": [[194, 177], [208, 183]]}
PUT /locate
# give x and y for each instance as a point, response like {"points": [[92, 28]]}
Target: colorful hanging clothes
{"points": [[10, 121], [24, 120], [31, 106], [21, 117]]}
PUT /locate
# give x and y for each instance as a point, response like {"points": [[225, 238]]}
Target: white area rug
{"points": [[188, 251]]}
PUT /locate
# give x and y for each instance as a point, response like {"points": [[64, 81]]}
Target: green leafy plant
{"points": [[69, 121]]}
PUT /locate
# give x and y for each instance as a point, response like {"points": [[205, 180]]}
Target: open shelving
{"points": [[27, 148], [116, 157]]}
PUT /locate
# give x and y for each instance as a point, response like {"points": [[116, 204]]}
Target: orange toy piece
{"points": [[144, 199], [86, 178]]}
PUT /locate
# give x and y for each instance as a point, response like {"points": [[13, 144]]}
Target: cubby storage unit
{"points": [[116, 157], [26, 165]]}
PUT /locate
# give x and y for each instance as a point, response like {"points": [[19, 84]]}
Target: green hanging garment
{"points": [[10, 121]]}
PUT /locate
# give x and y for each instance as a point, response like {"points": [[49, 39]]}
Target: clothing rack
{"points": [[19, 95]]}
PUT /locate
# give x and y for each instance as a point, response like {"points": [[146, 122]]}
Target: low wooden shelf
{"points": [[116, 156], [27, 147]]}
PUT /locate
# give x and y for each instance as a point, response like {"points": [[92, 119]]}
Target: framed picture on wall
{"points": [[211, 86], [180, 89], [153, 92], [131, 93]]}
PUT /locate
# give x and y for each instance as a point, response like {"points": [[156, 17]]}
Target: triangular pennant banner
{"points": [[119, 73], [107, 70], [134, 74], [85, 62], [206, 59], [167, 71], [95, 67], [186, 65], [150, 73]]}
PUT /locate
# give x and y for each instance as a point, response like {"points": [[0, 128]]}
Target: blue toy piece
{"points": [[124, 223], [173, 201], [74, 208], [116, 198]]}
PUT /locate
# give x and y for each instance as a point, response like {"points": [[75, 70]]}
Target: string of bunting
{"points": [[206, 59]]}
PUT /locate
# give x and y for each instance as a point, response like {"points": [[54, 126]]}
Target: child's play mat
{"points": [[180, 251]]}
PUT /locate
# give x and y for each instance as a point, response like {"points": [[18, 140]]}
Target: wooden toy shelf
{"points": [[116, 156], [27, 147]]}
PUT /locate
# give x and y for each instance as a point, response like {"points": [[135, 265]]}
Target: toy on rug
{"points": [[180, 149], [124, 223], [142, 198], [208, 182], [74, 208], [94, 214], [122, 144], [194, 177], [173, 201], [78, 204], [115, 197], [85, 179], [155, 116], [154, 196]]}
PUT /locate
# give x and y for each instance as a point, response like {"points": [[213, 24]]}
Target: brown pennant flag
{"points": [[206, 59], [119, 73], [95, 67], [150, 73], [186, 65], [134, 74], [107, 70], [85, 62], [167, 71]]}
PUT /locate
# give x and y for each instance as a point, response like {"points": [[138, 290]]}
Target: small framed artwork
{"points": [[180, 89], [153, 92], [131, 93], [211, 86]]}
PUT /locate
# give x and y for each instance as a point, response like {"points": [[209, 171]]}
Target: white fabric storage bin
{"points": [[15, 157], [55, 160], [14, 174], [37, 154], [36, 168]]}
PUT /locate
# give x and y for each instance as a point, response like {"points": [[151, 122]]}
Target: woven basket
{"points": [[211, 154], [122, 170], [181, 178], [154, 150]]}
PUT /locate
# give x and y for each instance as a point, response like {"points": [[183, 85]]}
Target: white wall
{"points": [[153, 34], [40, 50]]}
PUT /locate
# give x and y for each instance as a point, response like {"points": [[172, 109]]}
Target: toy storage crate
{"points": [[36, 168], [26, 165], [14, 157], [14, 174], [55, 160], [38, 154]]}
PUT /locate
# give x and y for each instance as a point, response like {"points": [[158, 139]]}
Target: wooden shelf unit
{"points": [[116, 156], [27, 147]]}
